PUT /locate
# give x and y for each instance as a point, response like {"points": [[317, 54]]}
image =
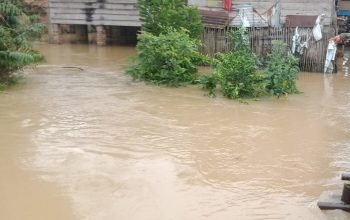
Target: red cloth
{"points": [[227, 5]]}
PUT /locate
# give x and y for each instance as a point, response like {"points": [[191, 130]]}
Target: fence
{"points": [[313, 59]]}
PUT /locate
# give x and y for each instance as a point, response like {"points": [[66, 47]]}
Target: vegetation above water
{"points": [[18, 29], [168, 45], [236, 70], [166, 59], [168, 51], [239, 73], [160, 15], [282, 70]]}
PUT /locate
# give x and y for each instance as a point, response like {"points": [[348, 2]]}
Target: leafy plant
{"points": [[238, 75], [282, 70], [3, 86], [203, 60], [17, 31], [159, 15], [166, 59], [209, 83], [236, 71], [239, 40]]}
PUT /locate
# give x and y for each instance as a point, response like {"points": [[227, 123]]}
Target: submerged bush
{"points": [[238, 76], [166, 59], [236, 71], [159, 15], [282, 71], [17, 31], [209, 83], [168, 46], [239, 40]]}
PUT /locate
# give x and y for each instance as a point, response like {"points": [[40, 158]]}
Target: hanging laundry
{"points": [[303, 46], [296, 41], [299, 47], [227, 5], [273, 15], [317, 30], [331, 52], [243, 14]]}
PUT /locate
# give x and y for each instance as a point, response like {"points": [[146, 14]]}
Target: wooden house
{"points": [[343, 8], [118, 20], [343, 13], [104, 16], [293, 8], [267, 21]]}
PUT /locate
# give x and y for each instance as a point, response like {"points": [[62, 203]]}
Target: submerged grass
{"points": [[12, 80]]}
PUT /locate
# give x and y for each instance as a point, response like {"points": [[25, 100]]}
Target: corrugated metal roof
{"points": [[344, 5], [215, 18], [300, 21]]}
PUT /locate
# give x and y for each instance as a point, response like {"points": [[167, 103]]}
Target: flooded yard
{"points": [[91, 144]]}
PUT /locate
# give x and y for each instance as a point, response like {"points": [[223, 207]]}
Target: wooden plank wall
{"points": [[296, 7], [125, 13], [206, 3], [215, 40], [288, 7], [94, 12]]}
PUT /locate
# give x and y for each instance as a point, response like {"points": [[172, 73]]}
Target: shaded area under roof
{"points": [[304, 21]]}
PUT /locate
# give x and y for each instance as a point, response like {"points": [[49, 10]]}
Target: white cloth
{"points": [[317, 30], [331, 52], [296, 41], [297, 46], [243, 16]]}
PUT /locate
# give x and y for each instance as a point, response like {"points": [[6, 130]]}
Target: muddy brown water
{"points": [[92, 144]]}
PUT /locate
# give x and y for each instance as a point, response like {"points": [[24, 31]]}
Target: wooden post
{"points": [[55, 34], [346, 194], [101, 36]]}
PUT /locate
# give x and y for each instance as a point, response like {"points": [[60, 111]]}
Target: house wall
{"points": [[94, 12], [206, 3], [288, 7], [296, 7], [261, 40], [125, 13], [104, 15]]}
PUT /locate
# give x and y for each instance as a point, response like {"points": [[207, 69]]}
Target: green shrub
{"points": [[3, 86], [166, 59], [238, 76], [203, 60], [17, 31], [239, 40], [159, 15], [209, 83], [236, 71], [282, 70]]}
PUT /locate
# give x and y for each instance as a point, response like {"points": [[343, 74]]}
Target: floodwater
{"points": [[91, 144]]}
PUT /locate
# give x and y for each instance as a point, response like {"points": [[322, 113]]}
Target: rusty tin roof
{"points": [[300, 21], [215, 18]]}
